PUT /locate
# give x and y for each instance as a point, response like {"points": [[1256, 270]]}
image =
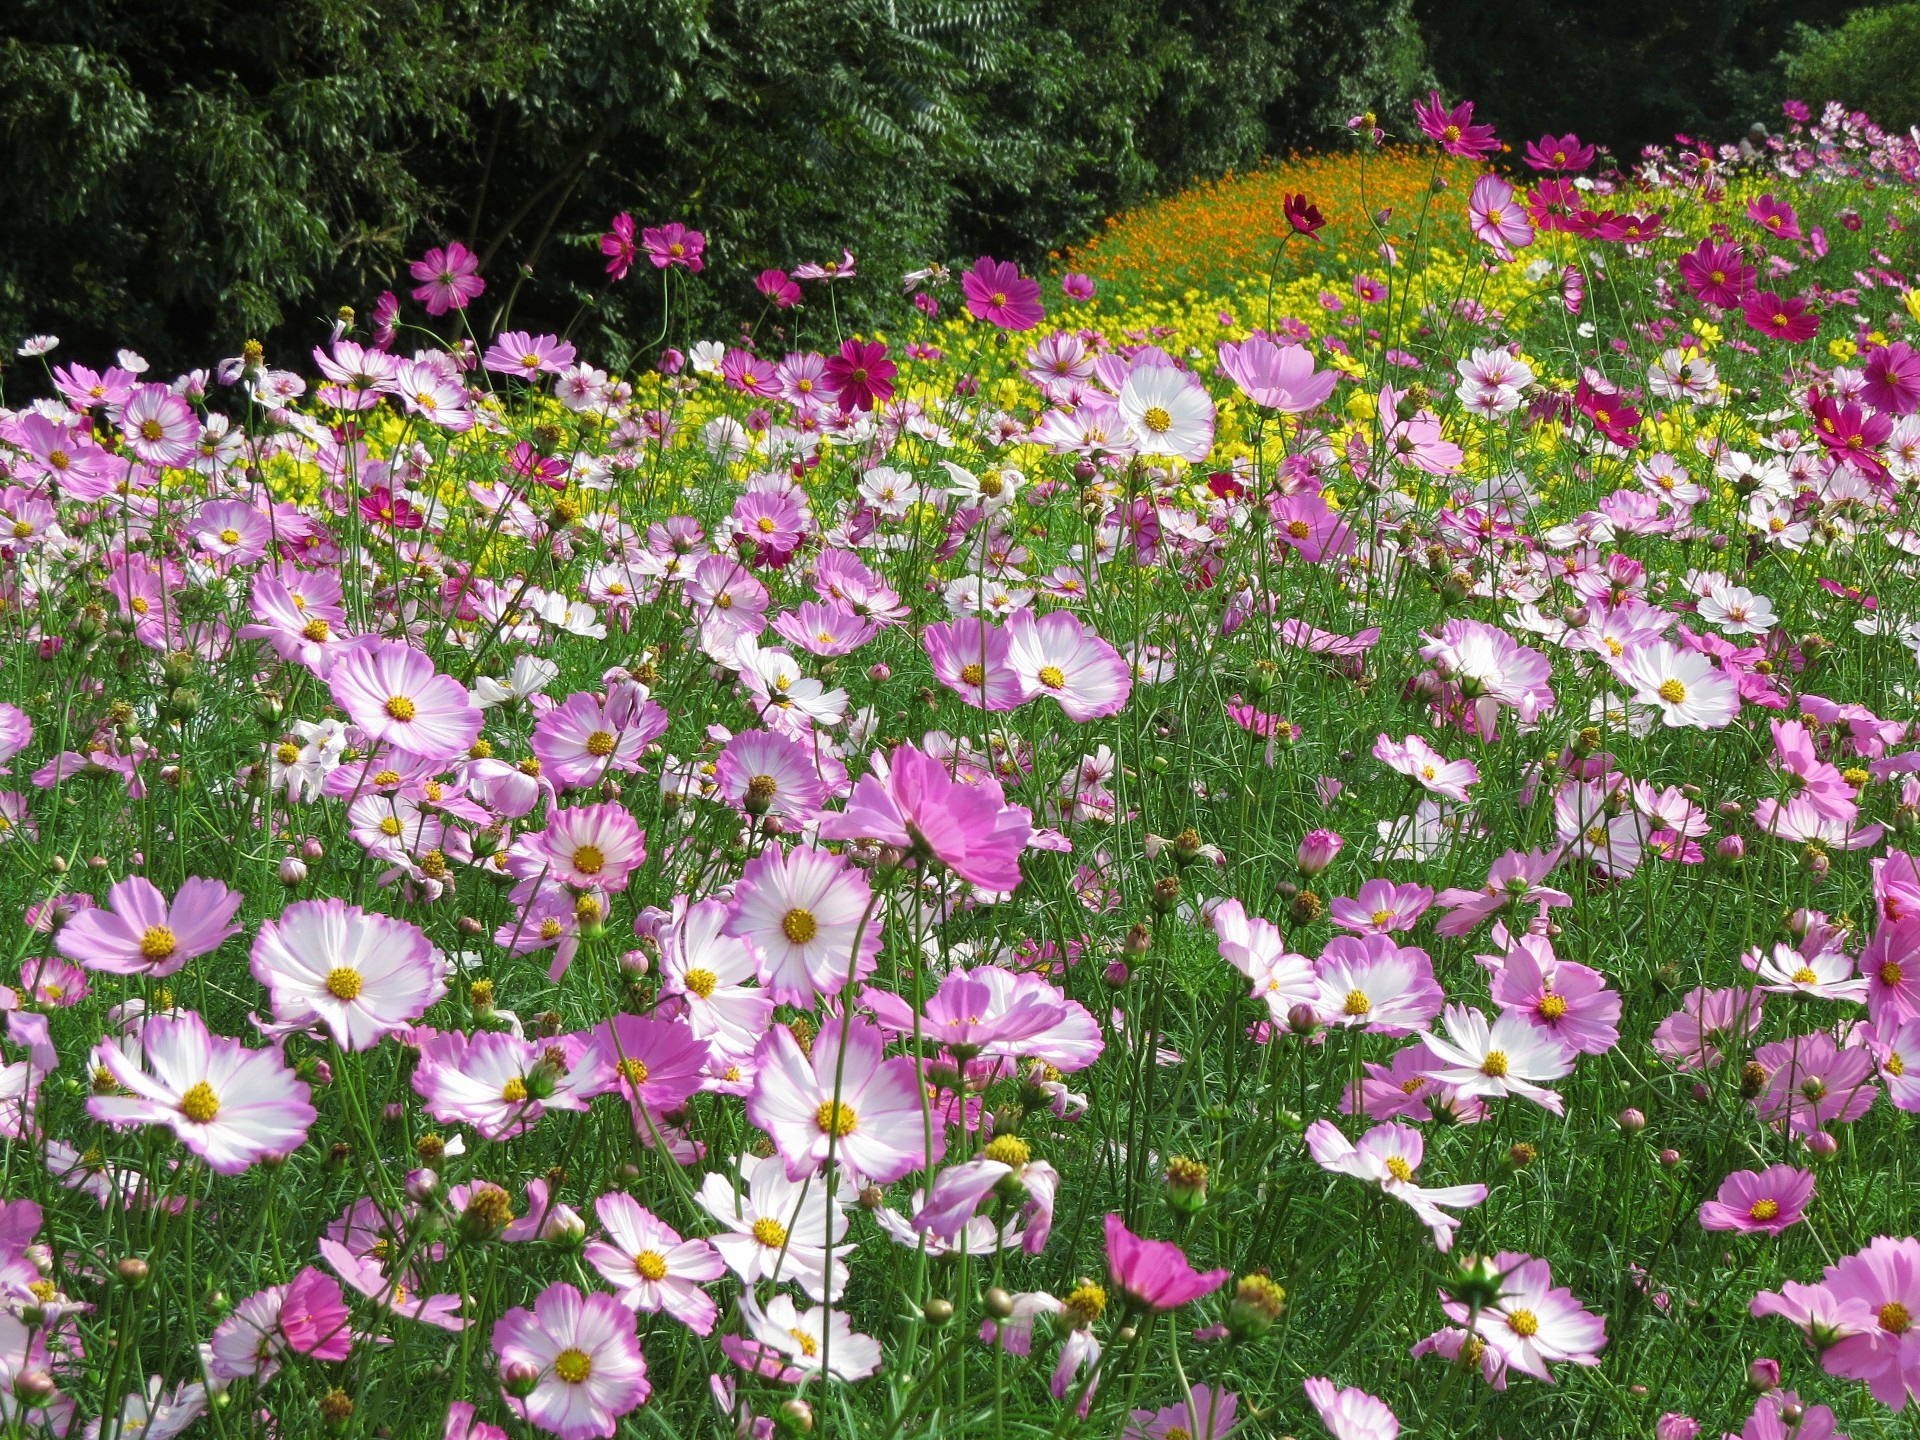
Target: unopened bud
{"points": [[1632, 1121], [132, 1271], [937, 1312]]}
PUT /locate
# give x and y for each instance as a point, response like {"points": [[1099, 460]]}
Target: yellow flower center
{"points": [[1672, 691], [634, 1070], [400, 708], [1524, 1323], [799, 926], [152, 430], [1399, 1169], [833, 1118], [158, 942], [572, 1366], [650, 1265], [1764, 1210], [809, 1346], [200, 1104], [1804, 976], [1157, 419], [1890, 973], [1895, 1318], [1381, 917], [601, 743], [1494, 1067], [315, 630], [342, 983], [1051, 677], [390, 826], [700, 982], [1299, 529], [551, 929], [1553, 1007], [514, 1091], [387, 777], [588, 860], [770, 1232], [974, 674], [1357, 1003]]}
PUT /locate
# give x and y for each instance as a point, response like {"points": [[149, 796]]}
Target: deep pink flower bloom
{"points": [[586, 1355], [1891, 965], [618, 246], [139, 933], [589, 846], [462, 1425], [775, 285], [1076, 286], [1209, 1415], [1776, 217], [450, 278], [1759, 1200], [1454, 129], [1812, 1082], [1782, 317], [998, 293], [1155, 1274], [1891, 382], [314, 1317], [1381, 907], [860, 376], [970, 658], [1717, 274], [1562, 153], [919, 806], [675, 244]]}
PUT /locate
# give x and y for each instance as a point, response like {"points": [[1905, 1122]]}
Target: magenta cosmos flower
{"points": [[1454, 129], [361, 974], [1783, 317], [393, 693], [860, 376], [998, 293], [846, 1097], [585, 1356], [1209, 1415], [1076, 286], [673, 244], [1056, 655], [618, 246], [1155, 1274], [1562, 152], [920, 807], [515, 352], [231, 1106], [1759, 1200], [139, 933], [802, 912], [450, 278], [1351, 1414]]}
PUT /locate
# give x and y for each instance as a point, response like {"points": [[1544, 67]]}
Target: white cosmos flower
{"points": [[1168, 412]]}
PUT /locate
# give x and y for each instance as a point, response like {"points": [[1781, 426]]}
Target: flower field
{"points": [[1303, 829]]}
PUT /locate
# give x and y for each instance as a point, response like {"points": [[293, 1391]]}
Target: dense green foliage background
{"points": [[180, 174]]}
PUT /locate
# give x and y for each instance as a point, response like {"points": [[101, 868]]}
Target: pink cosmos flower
{"points": [[585, 1355], [802, 912], [1533, 1323], [765, 773], [1564, 153], [1058, 656], [1891, 380], [1768, 1420], [1812, 1082], [673, 244], [1707, 1025], [1883, 1281], [860, 376], [1686, 687], [1891, 965], [1256, 948], [1491, 670], [1776, 217], [450, 278], [618, 246], [590, 846], [820, 1341], [231, 1106], [1076, 286], [1209, 1415], [960, 1190], [515, 352], [1155, 1274], [998, 293], [654, 1063], [1510, 1057], [920, 807], [1453, 129], [500, 1084], [1371, 983], [361, 974], [1381, 907], [711, 973], [160, 427], [1387, 1156], [1427, 767], [393, 693], [775, 285], [462, 1424], [1569, 1001], [847, 1098], [972, 659], [1277, 377], [1496, 217], [1780, 317], [1351, 1414], [1759, 1200], [580, 741], [651, 1267], [139, 933]]}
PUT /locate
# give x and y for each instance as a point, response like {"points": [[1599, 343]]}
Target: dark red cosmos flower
{"points": [[1302, 214], [1611, 415]]}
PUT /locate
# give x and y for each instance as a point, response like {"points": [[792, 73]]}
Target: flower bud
{"points": [[34, 1386], [422, 1185], [1763, 1375], [879, 674], [518, 1378], [1730, 848], [336, 1410], [312, 851], [489, 1211], [999, 1303], [1257, 1303], [1317, 850], [1139, 940], [1793, 1412], [1521, 1154], [794, 1417], [131, 1272], [1116, 974], [293, 871], [1669, 1158], [1165, 894], [937, 1312], [1186, 1180], [1632, 1121], [1822, 1146], [1303, 1019]]}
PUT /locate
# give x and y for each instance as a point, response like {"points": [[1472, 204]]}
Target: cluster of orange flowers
{"points": [[1218, 232]]}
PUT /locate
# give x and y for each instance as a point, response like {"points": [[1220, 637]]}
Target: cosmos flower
{"points": [[585, 1356], [140, 932], [361, 974], [846, 1100]]}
